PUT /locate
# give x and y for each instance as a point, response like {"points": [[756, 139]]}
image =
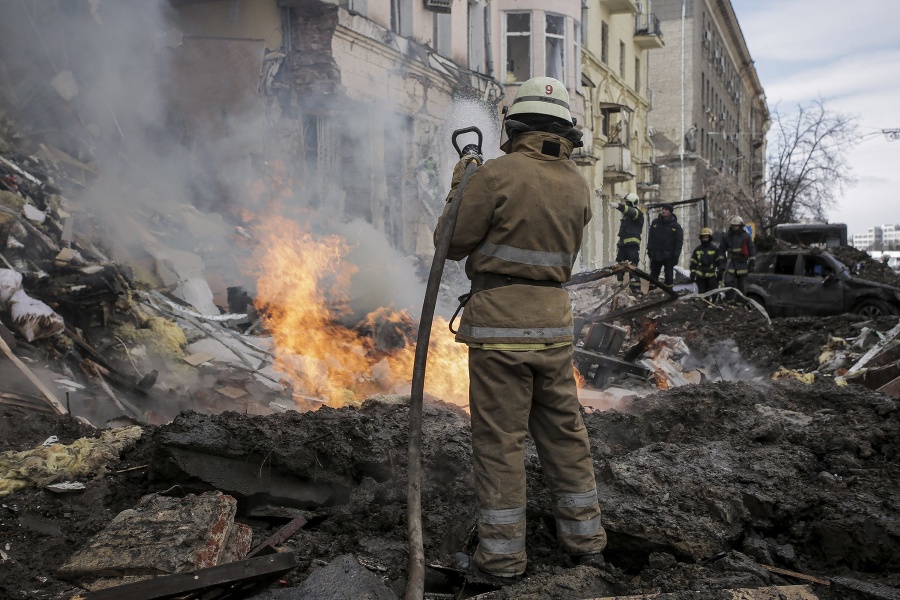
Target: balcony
{"points": [[621, 6], [648, 176], [647, 31], [584, 156], [617, 165], [757, 171], [438, 6]]}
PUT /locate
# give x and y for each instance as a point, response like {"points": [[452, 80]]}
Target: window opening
{"points": [[555, 44], [518, 47]]}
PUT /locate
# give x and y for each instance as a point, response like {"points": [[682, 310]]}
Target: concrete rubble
{"points": [[161, 535]]}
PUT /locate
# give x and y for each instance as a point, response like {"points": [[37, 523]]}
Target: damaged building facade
{"points": [[355, 99], [346, 106], [401, 65], [619, 40]]}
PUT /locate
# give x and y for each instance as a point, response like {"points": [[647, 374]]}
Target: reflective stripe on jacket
{"points": [[522, 215], [705, 260], [632, 225]]}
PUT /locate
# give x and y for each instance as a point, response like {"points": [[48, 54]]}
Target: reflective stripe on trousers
{"points": [[578, 523], [502, 531]]}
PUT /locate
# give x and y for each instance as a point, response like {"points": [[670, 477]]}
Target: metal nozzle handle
{"points": [[459, 132]]}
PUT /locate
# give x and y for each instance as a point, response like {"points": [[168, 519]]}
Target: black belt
{"points": [[490, 281]]}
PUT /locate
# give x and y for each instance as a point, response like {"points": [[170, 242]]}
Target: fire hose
{"points": [[415, 587]]}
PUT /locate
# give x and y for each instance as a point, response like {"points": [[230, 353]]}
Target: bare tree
{"points": [[727, 199], [807, 163]]}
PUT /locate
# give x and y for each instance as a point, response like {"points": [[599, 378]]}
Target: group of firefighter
{"points": [[732, 258]]}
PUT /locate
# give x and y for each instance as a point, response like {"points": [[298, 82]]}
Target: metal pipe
{"points": [[488, 50]]}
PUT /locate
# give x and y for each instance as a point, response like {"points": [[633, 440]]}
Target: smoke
{"points": [[383, 277], [195, 136], [722, 361]]}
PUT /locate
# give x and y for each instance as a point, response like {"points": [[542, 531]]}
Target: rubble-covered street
{"points": [[216, 225]]}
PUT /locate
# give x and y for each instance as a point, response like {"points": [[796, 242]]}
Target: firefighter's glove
{"points": [[614, 205], [693, 277], [460, 169], [751, 263]]}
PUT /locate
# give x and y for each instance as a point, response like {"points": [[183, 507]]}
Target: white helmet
{"points": [[736, 220], [542, 96], [631, 198]]}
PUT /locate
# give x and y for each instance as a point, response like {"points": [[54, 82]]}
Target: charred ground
{"points": [[700, 486]]}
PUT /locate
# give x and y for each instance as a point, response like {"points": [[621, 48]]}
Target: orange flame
{"points": [[302, 289], [580, 381]]}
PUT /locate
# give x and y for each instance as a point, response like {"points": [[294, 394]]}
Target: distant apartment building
{"points": [[890, 237], [709, 117], [884, 237]]}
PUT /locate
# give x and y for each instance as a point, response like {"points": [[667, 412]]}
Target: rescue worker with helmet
{"points": [[664, 244], [520, 224], [739, 252], [631, 228], [706, 261]]}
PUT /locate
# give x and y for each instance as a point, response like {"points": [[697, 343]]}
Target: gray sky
{"points": [[849, 54]]}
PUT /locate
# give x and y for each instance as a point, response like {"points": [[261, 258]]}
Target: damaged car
{"points": [[810, 282]]}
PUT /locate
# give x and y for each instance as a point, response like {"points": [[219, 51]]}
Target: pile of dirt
{"points": [[699, 485], [864, 266], [733, 334]]}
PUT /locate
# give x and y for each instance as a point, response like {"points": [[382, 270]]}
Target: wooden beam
{"points": [[796, 575], [183, 584], [43, 389]]}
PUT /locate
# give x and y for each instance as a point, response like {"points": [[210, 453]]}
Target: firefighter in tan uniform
{"points": [[521, 219]]}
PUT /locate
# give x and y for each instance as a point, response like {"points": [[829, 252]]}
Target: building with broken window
{"points": [[710, 116], [341, 105], [356, 95]]}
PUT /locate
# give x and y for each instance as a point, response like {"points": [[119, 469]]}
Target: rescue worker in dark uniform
{"points": [[520, 223], [630, 230], [664, 244], [706, 261], [739, 252]]}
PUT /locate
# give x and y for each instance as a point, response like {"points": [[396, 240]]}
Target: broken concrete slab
{"points": [[196, 292], [32, 213], [227, 350], [197, 359], [161, 535], [343, 578], [250, 476], [64, 84]]}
